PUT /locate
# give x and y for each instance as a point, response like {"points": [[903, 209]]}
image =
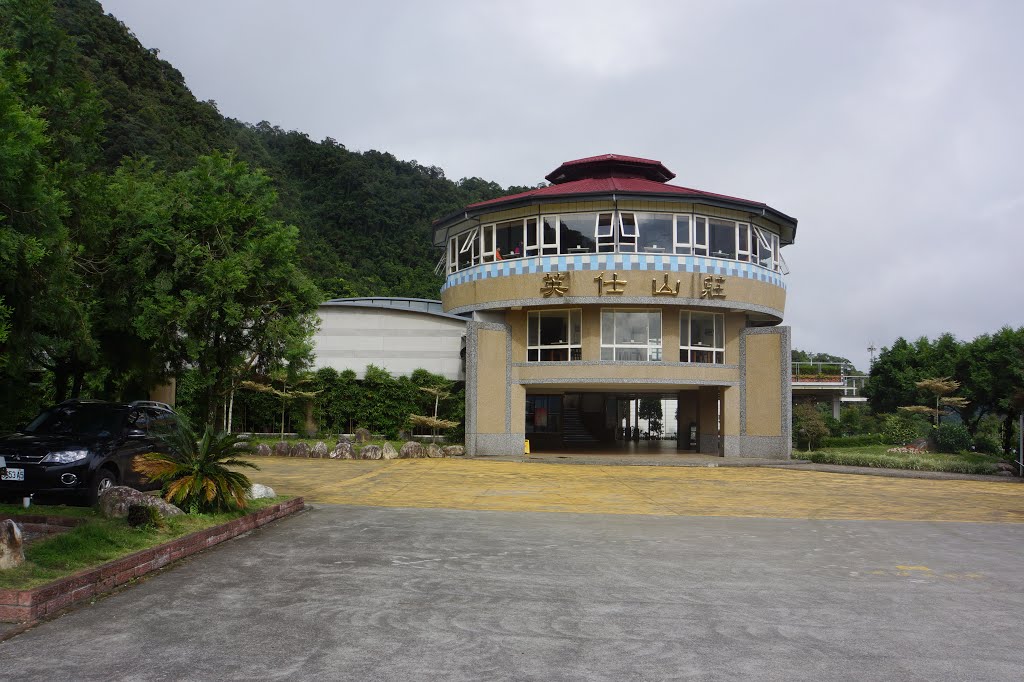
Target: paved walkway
{"points": [[672, 491]]}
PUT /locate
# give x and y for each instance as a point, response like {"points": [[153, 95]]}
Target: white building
{"points": [[396, 334]]}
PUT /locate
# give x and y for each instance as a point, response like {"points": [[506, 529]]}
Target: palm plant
{"points": [[196, 474]]}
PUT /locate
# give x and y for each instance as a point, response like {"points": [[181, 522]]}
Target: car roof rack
{"points": [[151, 403]]}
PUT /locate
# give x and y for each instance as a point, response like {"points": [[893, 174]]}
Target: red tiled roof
{"points": [[607, 186], [610, 165]]}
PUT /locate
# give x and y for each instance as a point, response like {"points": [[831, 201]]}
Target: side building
{"points": [[610, 285]]}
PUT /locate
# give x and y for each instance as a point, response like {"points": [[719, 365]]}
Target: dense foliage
{"points": [[989, 369], [140, 230]]}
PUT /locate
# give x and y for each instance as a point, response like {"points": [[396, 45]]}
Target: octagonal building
{"points": [[610, 285]]}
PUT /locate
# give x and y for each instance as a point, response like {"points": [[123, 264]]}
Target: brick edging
{"points": [[18, 606]]}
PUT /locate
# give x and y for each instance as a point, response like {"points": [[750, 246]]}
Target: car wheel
{"points": [[103, 480]]}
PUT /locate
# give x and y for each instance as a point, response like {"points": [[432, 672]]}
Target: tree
{"points": [[650, 409], [204, 276], [940, 388], [809, 423], [433, 422]]}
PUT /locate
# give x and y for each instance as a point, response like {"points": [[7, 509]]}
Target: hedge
{"points": [[857, 459]]}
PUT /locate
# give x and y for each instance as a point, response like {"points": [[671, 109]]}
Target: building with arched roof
{"points": [[610, 285]]}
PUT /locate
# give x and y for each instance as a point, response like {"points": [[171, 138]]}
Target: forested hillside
{"points": [[143, 234], [363, 218]]}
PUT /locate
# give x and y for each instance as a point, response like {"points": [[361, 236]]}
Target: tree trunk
{"points": [[1008, 424], [76, 387], [60, 384]]}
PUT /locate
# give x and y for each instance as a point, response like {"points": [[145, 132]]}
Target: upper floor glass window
{"points": [[554, 335], [702, 337], [610, 232], [629, 334]]}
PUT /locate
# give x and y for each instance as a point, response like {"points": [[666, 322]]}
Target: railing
{"points": [[837, 375]]}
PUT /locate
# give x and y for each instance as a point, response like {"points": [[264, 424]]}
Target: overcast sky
{"points": [[893, 131]]}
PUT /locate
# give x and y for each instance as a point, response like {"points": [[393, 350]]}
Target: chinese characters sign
{"points": [[557, 284]]}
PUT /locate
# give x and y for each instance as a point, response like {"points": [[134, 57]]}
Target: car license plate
{"points": [[12, 474]]}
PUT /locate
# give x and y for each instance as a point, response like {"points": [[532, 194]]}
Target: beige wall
{"points": [[491, 382], [510, 290], [764, 388]]}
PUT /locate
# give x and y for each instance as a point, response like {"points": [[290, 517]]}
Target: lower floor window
{"points": [[702, 337], [631, 335], [554, 336], [543, 413]]}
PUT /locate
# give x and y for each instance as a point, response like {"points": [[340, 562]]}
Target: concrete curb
{"points": [[29, 606]]}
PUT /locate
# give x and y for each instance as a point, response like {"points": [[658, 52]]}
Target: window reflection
{"points": [[610, 232]]}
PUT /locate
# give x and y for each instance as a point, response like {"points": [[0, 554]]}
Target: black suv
{"points": [[79, 448]]}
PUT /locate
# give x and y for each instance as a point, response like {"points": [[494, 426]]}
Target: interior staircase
{"points": [[575, 433]]}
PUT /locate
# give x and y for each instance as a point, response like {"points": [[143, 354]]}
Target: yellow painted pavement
{"points": [[684, 491]]}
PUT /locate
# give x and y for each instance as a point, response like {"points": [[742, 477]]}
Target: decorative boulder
{"points": [[388, 451], [344, 438], [412, 450], [282, 449], [319, 450], [363, 435], [434, 450], [453, 451], [114, 502], [342, 450], [370, 452], [300, 449], [12, 546], [921, 445], [262, 450], [258, 491]]}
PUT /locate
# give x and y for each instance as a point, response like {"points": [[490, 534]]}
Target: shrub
{"points": [[863, 459], [900, 429], [952, 438], [852, 441], [988, 443], [196, 474]]}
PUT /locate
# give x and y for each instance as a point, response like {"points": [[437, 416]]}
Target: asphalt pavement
{"points": [[377, 593]]}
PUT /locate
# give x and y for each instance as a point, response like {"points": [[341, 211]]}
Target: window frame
{"points": [[710, 355], [573, 347], [654, 352]]}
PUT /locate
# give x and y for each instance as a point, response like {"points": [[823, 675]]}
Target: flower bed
{"points": [[19, 606]]}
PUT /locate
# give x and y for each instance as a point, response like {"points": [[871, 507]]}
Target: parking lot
{"points": [[469, 570]]}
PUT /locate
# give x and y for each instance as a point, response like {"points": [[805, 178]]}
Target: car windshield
{"points": [[85, 420]]}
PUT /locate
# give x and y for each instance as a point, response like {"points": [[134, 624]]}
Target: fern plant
{"points": [[196, 474]]}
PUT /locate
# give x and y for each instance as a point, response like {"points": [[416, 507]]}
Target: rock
{"points": [[344, 438], [262, 450], [342, 450], [319, 450], [453, 451], [1003, 466], [12, 546], [388, 451], [114, 502], [434, 450], [300, 449], [412, 450], [404, 435], [363, 435], [258, 491], [921, 445], [282, 449], [370, 452]]}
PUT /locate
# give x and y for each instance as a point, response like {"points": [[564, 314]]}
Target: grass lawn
{"points": [[879, 457], [97, 541]]}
